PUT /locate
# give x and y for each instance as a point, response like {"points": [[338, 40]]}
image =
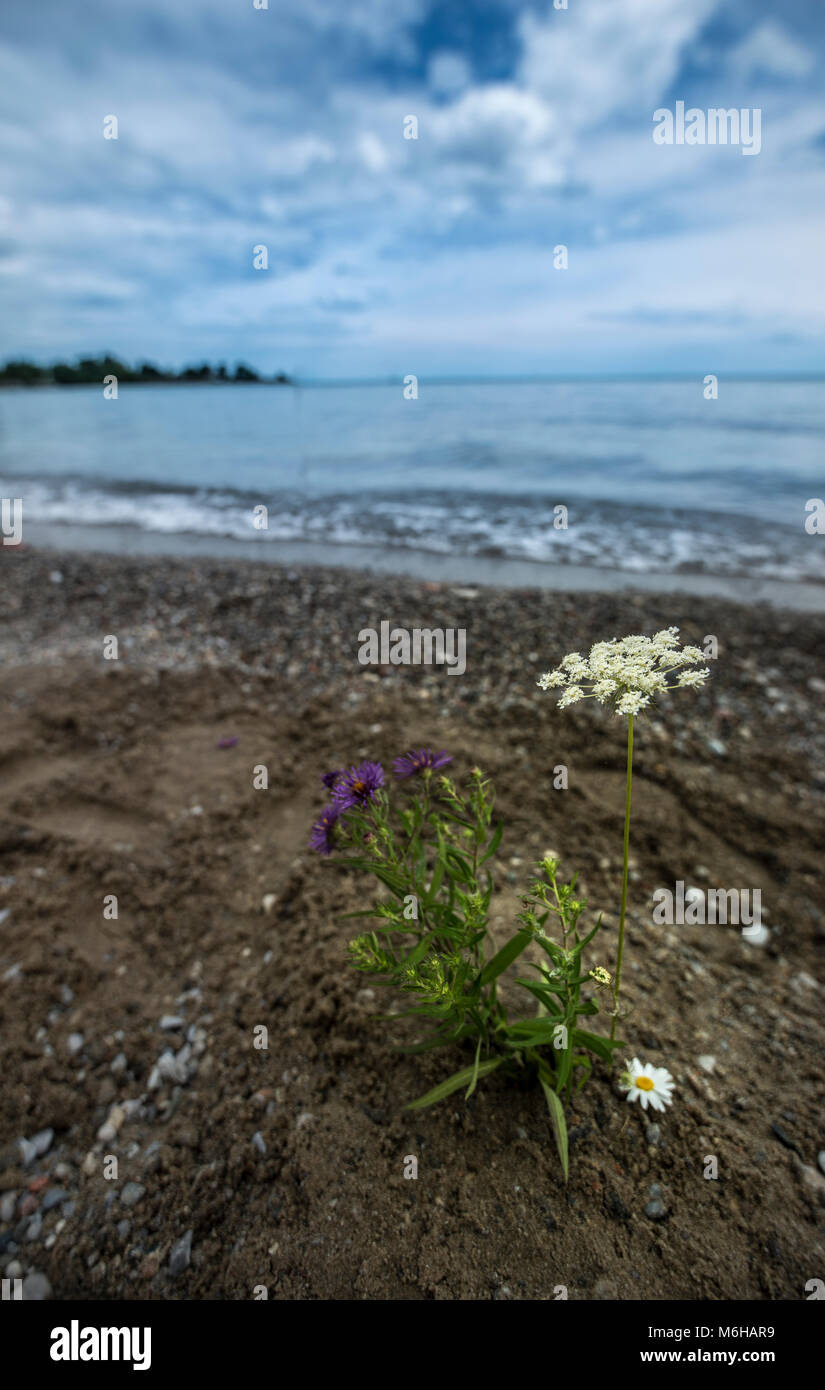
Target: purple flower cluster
{"points": [[419, 760], [356, 787]]}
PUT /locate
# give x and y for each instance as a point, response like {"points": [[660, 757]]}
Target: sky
{"points": [[284, 127]]}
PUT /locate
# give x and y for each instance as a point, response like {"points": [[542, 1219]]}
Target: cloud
{"points": [[285, 127]]}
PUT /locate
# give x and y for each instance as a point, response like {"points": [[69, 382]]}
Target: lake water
{"points": [[655, 478]]}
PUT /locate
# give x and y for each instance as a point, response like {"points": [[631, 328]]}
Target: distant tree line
{"points": [[92, 370]]}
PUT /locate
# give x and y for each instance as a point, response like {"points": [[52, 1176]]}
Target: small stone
{"points": [[268, 901], [170, 1022], [90, 1164], [305, 1118], [656, 1209], [707, 1062], [181, 1255], [718, 747], [820, 1158], [28, 1153], [8, 1202], [132, 1193], [653, 1134], [802, 982], [54, 1197], [757, 935], [35, 1226], [42, 1141], [813, 1181], [74, 1043], [119, 1064], [36, 1288], [14, 1270], [259, 1142]]}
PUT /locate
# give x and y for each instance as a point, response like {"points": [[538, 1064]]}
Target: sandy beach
{"points": [[241, 1167]]}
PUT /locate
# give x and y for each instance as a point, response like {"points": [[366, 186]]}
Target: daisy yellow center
{"points": [[644, 1083]]}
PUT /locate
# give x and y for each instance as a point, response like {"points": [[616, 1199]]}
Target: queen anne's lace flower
{"points": [[628, 673]]}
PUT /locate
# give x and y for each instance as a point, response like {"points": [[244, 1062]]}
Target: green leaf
{"points": [[564, 1068], [436, 882], [580, 945], [533, 1032], [601, 1046], [454, 1083], [504, 957], [554, 1105], [495, 842], [474, 1079]]}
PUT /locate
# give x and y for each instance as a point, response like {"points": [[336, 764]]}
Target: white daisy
{"points": [[648, 1084]]}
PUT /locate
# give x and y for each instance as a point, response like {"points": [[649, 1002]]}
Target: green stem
{"points": [[618, 980]]}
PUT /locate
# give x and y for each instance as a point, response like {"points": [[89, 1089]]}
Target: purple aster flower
{"points": [[358, 786], [419, 760], [321, 838], [330, 778]]}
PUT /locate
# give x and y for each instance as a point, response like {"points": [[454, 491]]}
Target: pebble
{"points": [[180, 1255], [54, 1197], [28, 1153], [170, 1022], [74, 1042], [36, 1288], [820, 1158], [35, 1226], [119, 1064], [259, 1142], [801, 982], [653, 1134], [707, 1062], [268, 901], [811, 1179], [305, 1118], [655, 1208], [8, 1202], [42, 1141], [757, 935], [132, 1193]]}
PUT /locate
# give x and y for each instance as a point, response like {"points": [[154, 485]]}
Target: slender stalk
{"points": [[620, 952]]}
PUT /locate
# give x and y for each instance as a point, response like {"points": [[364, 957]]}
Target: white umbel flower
{"points": [[648, 1084], [627, 674]]}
